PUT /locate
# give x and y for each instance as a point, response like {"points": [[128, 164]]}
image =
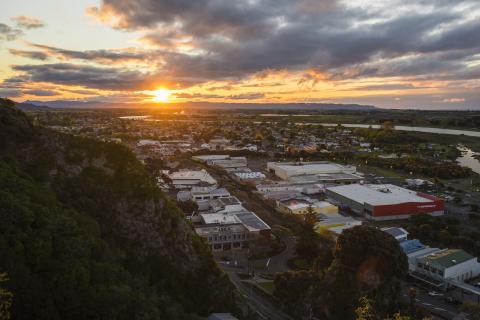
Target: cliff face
{"points": [[85, 233]]}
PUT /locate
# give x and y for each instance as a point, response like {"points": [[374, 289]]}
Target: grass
{"points": [[267, 286]]}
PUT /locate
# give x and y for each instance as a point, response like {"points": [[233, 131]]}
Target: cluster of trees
{"points": [[366, 263], [86, 234], [418, 165], [444, 232]]}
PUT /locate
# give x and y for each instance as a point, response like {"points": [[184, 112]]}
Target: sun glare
{"points": [[161, 95]]}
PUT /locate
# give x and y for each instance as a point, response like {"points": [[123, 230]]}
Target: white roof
{"points": [[210, 218], [211, 157], [375, 194], [312, 167], [202, 175]]}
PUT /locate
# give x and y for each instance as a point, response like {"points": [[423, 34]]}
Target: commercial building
{"points": [[223, 161], [441, 268], [385, 202], [249, 176], [314, 172], [187, 179], [301, 206], [228, 225], [449, 264]]}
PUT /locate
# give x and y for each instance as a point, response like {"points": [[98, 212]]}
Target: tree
{"points": [[473, 309], [368, 262], [5, 299], [365, 310]]}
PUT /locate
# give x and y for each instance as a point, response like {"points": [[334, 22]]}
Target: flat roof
{"points": [[252, 221], [211, 218], [449, 258], [325, 166], [377, 195]]}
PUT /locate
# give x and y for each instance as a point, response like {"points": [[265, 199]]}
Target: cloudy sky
{"points": [[389, 53]]}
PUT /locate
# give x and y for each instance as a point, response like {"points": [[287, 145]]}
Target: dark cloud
{"points": [[28, 22], [92, 55], [240, 38], [41, 93], [36, 55], [87, 76], [7, 92], [247, 96], [8, 33]]}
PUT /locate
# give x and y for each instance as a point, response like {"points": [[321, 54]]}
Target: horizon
{"points": [[422, 55]]}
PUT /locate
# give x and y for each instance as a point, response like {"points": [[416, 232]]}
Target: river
{"points": [[468, 160]]}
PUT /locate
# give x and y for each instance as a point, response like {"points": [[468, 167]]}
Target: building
{"points": [[187, 179], [302, 206], [448, 264], [218, 144], [441, 268], [399, 234], [314, 172], [249, 176], [223, 161], [233, 227], [223, 232], [385, 202], [202, 195]]}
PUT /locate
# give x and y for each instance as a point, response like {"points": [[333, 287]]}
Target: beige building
{"points": [[300, 206]]}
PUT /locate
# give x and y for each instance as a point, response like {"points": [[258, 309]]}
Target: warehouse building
{"points": [[385, 202], [314, 172]]}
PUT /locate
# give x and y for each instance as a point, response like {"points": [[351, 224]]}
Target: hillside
{"points": [[86, 234], [205, 105]]}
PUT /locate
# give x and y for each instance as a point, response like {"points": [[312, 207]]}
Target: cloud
{"points": [[105, 56], [8, 33], [41, 93], [454, 100], [28, 22], [82, 75], [7, 92], [247, 96], [35, 55]]}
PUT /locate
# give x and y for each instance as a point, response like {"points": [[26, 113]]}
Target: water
{"points": [[134, 117], [406, 128], [467, 159]]}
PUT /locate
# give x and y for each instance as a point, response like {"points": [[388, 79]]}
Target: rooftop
{"points": [[449, 258], [373, 194]]}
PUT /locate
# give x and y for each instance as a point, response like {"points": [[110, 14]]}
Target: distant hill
{"points": [[85, 233], [200, 105], [24, 106]]}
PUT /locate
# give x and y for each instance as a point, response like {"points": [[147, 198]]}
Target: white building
{"points": [[187, 179], [314, 172], [249, 176]]}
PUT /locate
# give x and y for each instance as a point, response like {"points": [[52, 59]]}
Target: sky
{"points": [[387, 53]]}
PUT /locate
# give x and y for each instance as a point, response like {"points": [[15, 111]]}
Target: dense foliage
{"points": [[86, 234], [367, 263]]}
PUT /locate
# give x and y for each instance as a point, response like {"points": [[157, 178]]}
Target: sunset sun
{"points": [[161, 95]]}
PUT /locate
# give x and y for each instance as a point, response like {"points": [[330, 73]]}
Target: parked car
{"points": [[452, 300], [435, 294]]}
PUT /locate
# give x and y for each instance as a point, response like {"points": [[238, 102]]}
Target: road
{"points": [[436, 305], [257, 302], [278, 263]]}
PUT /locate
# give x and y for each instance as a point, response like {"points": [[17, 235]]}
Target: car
{"points": [[435, 294], [452, 300]]}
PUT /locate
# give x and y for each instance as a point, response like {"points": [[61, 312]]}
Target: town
{"points": [[247, 185]]}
